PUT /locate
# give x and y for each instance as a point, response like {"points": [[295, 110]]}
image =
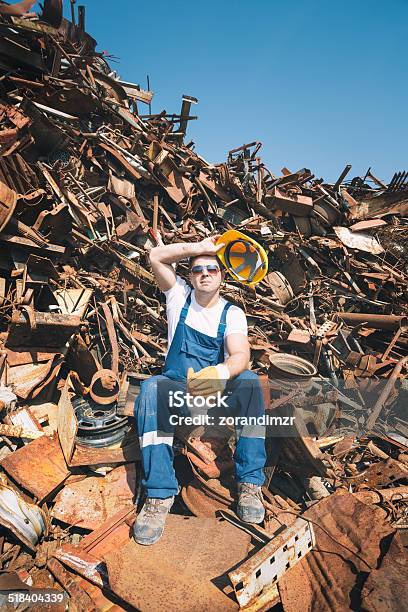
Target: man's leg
{"points": [[156, 433], [246, 400]]}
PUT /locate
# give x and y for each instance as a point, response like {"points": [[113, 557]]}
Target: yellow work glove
{"points": [[207, 381]]}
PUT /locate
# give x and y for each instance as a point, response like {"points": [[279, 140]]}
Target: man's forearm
{"points": [[172, 253], [237, 363]]}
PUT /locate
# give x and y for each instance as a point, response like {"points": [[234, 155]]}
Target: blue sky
{"points": [[321, 83]]}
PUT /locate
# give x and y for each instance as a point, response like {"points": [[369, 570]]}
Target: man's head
{"points": [[206, 274]]}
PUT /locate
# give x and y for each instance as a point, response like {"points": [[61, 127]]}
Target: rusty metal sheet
{"points": [[47, 329], [381, 495], [84, 455], [113, 533], [185, 570], [375, 321], [39, 467], [71, 584], [381, 474], [296, 204], [199, 503], [348, 541], [33, 355], [119, 157], [67, 422], [86, 558], [386, 588], [302, 453], [30, 379], [83, 563], [8, 201], [362, 226], [358, 240], [343, 446], [24, 418], [84, 594], [73, 301], [90, 502]]}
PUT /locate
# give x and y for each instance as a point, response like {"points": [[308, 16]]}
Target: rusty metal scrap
{"points": [[348, 535], [188, 566], [91, 501], [90, 181]]}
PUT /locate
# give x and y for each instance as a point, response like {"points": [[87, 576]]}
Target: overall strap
{"points": [[223, 322], [185, 308]]}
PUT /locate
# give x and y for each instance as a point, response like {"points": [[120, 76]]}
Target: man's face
{"points": [[206, 281]]}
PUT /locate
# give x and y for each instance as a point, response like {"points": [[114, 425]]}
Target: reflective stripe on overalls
{"points": [[192, 348]]}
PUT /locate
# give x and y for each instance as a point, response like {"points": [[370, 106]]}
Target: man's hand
{"points": [[208, 246], [162, 257], [207, 381]]}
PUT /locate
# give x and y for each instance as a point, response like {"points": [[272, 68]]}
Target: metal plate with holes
{"points": [[261, 572], [323, 329]]}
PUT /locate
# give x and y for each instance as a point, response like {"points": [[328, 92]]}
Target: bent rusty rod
{"points": [[385, 393]]}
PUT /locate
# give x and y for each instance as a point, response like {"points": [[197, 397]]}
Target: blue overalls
{"points": [[192, 348]]}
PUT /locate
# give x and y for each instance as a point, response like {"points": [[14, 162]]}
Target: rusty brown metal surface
{"points": [[46, 329], [387, 584], [385, 393], [377, 497], [8, 200], [381, 474], [38, 467], [71, 585], [186, 569], [348, 541], [30, 379], [374, 320], [83, 563], [199, 503], [90, 502], [84, 455]]}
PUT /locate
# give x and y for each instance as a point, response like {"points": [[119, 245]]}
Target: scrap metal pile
{"points": [[90, 181]]}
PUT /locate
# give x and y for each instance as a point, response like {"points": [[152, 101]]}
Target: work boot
{"points": [[250, 507], [149, 524]]}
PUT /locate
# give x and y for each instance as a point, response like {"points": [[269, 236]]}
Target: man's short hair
{"points": [[191, 260]]}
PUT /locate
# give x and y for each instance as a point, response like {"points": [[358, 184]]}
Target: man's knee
{"points": [[246, 377], [147, 397], [247, 393], [150, 384], [249, 375]]}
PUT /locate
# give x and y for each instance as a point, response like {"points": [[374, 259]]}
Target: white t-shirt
{"points": [[205, 320]]}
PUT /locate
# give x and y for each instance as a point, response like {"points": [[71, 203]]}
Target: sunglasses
{"points": [[212, 269]]}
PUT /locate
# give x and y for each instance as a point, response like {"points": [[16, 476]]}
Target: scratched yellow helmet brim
{"points": [[242, 257]]}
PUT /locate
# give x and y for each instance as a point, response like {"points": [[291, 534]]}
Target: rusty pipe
{"points": [[373, 320], [385, 393]]}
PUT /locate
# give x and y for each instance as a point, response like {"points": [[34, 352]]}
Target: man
{"points": [[208, 351]]}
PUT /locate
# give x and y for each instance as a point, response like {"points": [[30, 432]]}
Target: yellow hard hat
{"points": [[243, 258]]}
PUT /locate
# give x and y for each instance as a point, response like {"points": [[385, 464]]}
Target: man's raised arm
{"points": [[161, 258]]}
